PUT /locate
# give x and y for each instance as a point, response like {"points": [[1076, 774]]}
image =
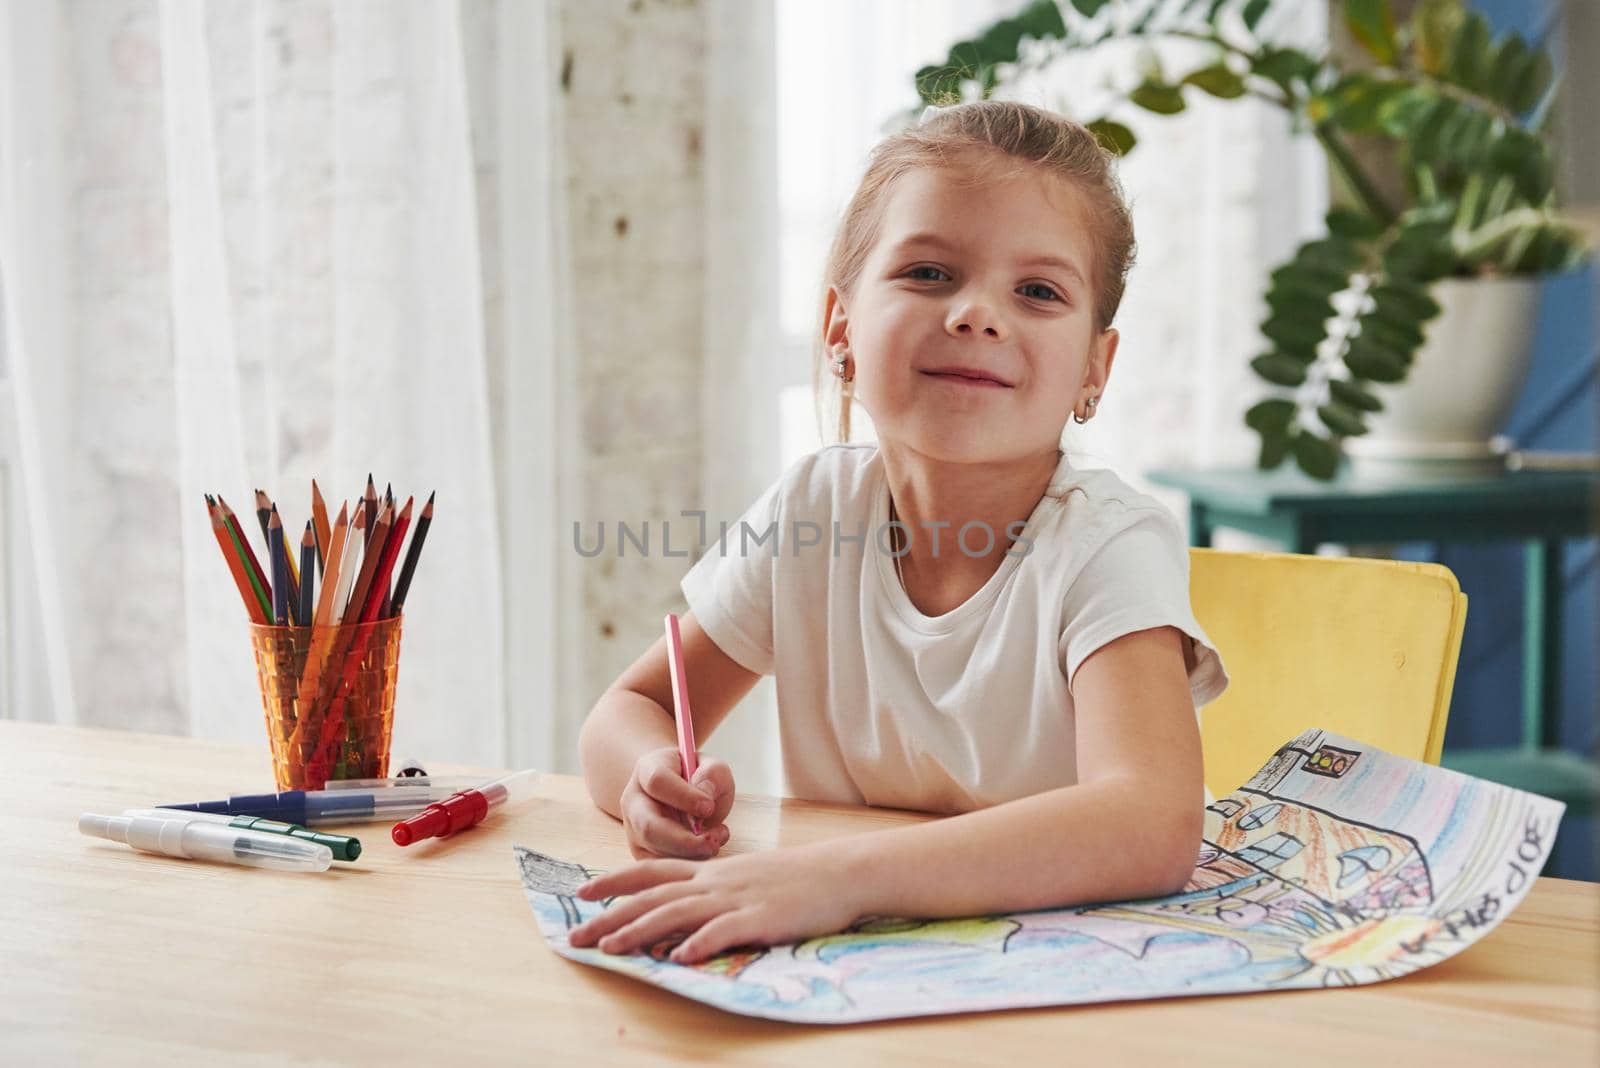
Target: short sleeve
{"points": [[1138, 579], [729, 589]]}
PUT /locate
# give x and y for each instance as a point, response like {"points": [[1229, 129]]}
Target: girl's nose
{"points": [[976, 317]]}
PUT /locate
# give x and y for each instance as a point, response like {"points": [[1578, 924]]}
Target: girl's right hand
{"points": [[657, 804]]}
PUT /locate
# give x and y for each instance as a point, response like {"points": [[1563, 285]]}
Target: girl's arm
{"points": [[633, 721], [1130, 828]]}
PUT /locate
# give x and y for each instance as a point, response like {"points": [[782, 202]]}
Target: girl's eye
{"points": [[915, 273], [1038, 289]]}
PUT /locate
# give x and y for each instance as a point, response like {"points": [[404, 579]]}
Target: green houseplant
{"points": [[1437, 135]]}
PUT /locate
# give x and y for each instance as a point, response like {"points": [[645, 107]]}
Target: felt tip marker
{"points": [[195, 840], [311, 808], [344, 847], [463, 809], [448, 783]]}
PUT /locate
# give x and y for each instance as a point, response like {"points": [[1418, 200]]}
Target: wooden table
{"points": [[431, 955]]}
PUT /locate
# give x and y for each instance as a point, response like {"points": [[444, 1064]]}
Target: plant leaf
{"points": [[1347, 392], [1310, 277], [1400, 333], [1317, 456], [1274, 450], [1372, 23], [1531, 86], [1042, 20], [1468, 58], [1403, 112], [1353, 224], [1252, 13], [1283, 65], [1280, 370], [1410, 300], [1433, 26], [1357, 101], [1506, 69], [1113, 135], [1333, 253], [1159, 98], [1341, 420], [1371, 361], [1295, 335], [1272, 415], [1218, 80]]}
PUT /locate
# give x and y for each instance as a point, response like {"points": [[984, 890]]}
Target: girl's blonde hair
{"points": [[978, 133]]}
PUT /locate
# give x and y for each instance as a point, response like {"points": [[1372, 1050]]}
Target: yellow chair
{"points": [[1363, 648]]}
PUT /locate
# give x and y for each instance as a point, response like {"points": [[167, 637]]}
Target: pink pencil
{"points": [[680, 707]]}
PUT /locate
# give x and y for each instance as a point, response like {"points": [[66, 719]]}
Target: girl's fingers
{"points": [[716, 777], [655, 829], [666, 786], [619, 914], [681, 914], [636, 877], [735, 928]]}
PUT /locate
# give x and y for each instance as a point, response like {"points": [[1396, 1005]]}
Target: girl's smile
{"points": [[968, 376]]}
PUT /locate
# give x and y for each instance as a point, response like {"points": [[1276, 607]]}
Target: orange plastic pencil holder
{"points": [[328, 695]]}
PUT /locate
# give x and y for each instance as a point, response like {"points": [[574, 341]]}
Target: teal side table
{"points": [[1538, 508]]}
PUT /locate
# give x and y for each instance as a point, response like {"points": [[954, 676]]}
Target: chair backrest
{"points": [[1363, 648]]}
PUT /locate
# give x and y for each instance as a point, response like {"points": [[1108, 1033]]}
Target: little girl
{"points": [[959, 620]]}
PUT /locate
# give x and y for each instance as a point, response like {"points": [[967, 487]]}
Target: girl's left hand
{"points": [[782, 895]]}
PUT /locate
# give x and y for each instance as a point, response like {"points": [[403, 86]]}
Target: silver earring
{"points": [[839, 362], [1081, 419]]}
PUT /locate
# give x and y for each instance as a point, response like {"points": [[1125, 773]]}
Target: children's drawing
{"points": [[1337, 864]]}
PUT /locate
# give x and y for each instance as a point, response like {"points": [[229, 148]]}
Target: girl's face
{"points": [[971, 327]]}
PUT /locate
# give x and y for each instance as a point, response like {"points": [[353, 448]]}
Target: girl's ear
{"points": [[835, 324], [1102, 355]]}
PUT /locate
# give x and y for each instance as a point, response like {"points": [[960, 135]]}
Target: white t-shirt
{"points": [[879, 704]]}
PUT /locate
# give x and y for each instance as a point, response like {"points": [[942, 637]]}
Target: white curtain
{"points": [[277, 245], [37, 582], [742, 338]]}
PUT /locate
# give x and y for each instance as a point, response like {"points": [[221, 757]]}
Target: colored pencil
{"points": [[236, 564], [257, 572], [403, 583], [319, 520], [308, 572], [688, 755], [330, 576], [265, 506], [264, 514], [354, 548], [369, 566], [280, 569], [371, 502], [383, 604]]}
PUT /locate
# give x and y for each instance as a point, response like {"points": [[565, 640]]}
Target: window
{"points": [[1271, 851], [1255, 819], [1362, 862]]}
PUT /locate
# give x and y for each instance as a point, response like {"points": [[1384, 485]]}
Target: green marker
{"points": [[344, 847]]}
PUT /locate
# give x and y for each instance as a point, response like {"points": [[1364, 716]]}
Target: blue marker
{"points": [[309, 808]]}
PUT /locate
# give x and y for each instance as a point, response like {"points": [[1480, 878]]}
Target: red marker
{"points": [[462, 809], [680, 707]]}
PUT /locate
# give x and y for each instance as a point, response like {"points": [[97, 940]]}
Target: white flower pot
{"points": [[1462, 385]]}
